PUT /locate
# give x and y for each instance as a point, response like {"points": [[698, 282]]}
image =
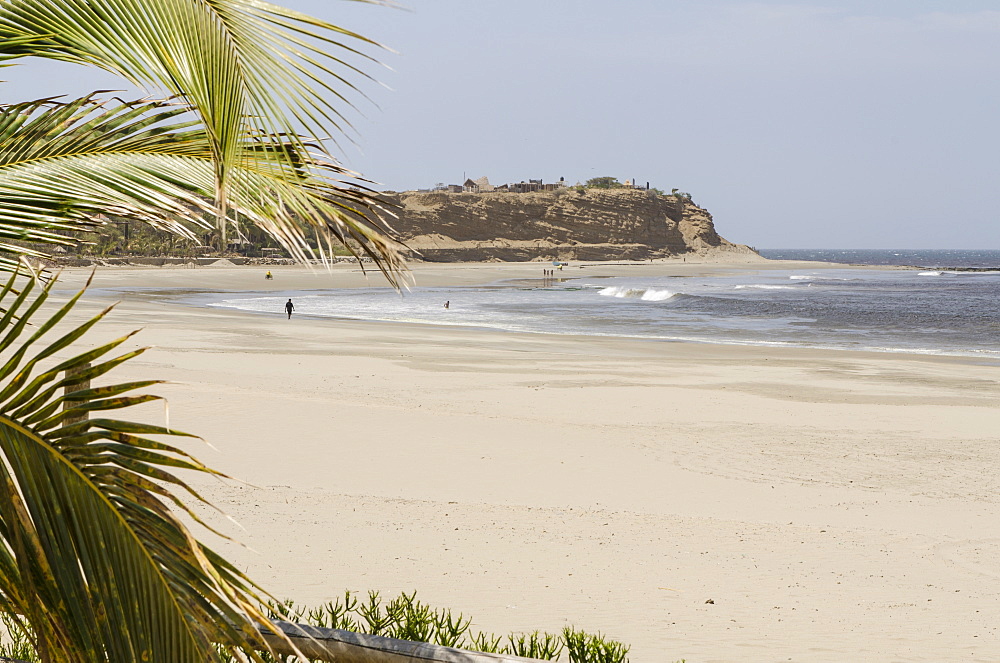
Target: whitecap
{"points": [[617, 291], [645, 294], [653, 295]]}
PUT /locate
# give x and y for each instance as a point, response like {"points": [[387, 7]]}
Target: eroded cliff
{"points": [[595, 224]]}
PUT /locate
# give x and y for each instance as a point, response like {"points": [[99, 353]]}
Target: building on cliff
{"points": [[482, 185]]}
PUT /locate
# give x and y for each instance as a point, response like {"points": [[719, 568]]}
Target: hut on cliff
{"points": [[481, 185]]}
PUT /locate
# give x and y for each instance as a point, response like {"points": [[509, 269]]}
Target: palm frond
{"points": [[239, 64], [92, 561], [64, 164]]}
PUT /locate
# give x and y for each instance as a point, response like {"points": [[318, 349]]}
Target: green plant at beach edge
{"points": [[406, 618]]}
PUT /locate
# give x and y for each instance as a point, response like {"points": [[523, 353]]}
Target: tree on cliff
{"points": [[604, 183], [94, 566]]}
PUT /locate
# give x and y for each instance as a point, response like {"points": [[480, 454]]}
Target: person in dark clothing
{"points": [[289, 307]]}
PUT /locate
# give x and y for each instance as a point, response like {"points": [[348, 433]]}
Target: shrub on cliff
{"points": [[604, 183]]}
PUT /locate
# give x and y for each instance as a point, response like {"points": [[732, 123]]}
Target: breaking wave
{"points": [[645, 294]]}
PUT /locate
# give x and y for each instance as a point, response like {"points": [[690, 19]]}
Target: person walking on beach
{"points": [[289, 307]]}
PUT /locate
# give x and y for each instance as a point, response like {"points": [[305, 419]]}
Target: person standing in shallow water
{"points": [[289, 307]]}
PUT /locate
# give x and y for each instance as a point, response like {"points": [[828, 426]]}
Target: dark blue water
{"points": [[930, 258]]}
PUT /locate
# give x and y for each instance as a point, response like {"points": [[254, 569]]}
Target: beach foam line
{"points": [[762, 286]]}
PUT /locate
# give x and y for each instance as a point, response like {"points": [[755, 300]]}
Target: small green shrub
{"points": [[406, 618], [604, 183], [16, 644], [544, 646], [586, 648]]}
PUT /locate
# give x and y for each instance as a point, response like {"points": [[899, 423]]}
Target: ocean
{"points": [[930, 259], [936, 307]]}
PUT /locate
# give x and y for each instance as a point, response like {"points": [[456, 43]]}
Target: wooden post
{"points": [[75, 386]]}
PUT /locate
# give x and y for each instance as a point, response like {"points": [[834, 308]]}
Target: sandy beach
{"points": [[699, 502]]}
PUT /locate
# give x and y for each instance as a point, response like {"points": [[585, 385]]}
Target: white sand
{"points": [[835, 506]]}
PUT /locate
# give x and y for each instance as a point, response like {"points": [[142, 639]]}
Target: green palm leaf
{"points": [[93, 563], [239, 64], [63, 164]]}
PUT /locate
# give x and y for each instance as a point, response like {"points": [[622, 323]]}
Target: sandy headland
{"points": [[706, 502]]}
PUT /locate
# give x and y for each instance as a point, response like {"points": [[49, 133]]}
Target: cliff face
{"points": [[597, 224]]}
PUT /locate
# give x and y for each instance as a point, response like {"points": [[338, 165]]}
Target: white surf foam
{"points": [[645, 294], [763, 286], [653, 295], [802, 277]]}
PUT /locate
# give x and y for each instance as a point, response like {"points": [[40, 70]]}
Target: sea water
{"points": [[933, 258], [918, 310]]}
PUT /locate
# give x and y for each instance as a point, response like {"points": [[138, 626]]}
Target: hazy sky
{"points": [[837, 124]]}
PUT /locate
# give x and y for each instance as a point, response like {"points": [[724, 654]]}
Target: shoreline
{"points": [[834, 505], [299, 281]]}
